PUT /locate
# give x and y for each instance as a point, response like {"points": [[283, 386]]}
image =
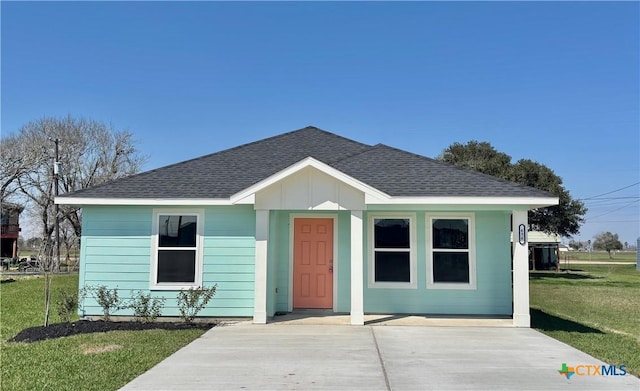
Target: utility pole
{"points": [[56, 175]]}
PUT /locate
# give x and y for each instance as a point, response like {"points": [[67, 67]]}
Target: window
{"points": [[177, 251], [451, 254], [392, 259]]}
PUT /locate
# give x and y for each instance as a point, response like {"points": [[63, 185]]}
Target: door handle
{"points": [[331, 269]]}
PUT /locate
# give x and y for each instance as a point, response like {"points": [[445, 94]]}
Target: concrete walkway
{"points": [[285, 356]]}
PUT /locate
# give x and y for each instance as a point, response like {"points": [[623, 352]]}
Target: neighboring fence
{"points": [[45, 260]]}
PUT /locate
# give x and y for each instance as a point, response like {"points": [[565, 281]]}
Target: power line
{"points": [[613, 210], [607, 204], [612, 198], [615, 221], [609, 192]]}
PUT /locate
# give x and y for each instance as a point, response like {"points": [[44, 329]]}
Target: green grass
{"points": [[99, 361], [595, 308]]}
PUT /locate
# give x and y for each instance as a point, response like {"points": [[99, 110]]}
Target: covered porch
{"points": [[311, 190]]}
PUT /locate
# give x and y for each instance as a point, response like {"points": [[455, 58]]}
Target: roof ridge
{"points": [[368, 149]]}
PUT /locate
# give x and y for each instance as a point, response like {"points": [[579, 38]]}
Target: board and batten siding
{"points": [[116, 252]]}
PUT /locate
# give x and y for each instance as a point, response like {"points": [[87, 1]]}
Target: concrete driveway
{"points": [[283, 356]]}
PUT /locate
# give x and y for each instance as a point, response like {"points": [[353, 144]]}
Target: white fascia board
{"points": [[302, 164], [140, 201], [529, 202]]}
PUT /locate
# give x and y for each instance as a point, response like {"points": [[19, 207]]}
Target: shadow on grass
{"points": [[7, 281], [547, 322], [561, 275]]}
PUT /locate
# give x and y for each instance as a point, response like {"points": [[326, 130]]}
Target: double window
{"points": [[450, 251], [392, 248], [177, 249]]}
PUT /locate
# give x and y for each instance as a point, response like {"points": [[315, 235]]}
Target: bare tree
{"points": [[91, 153], [16, 160]]}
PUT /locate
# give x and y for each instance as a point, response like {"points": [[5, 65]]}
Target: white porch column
{"points": [[357, 287], [260, 294], [521, 317]]}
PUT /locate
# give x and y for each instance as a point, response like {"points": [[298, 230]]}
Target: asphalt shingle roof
{"points": [[222, 174]]}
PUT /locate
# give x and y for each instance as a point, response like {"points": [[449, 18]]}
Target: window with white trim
{"points": [[451, 251], [392, 251], [177, 252]]}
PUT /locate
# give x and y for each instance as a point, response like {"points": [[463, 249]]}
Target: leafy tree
{"points": [[608, 242], [576, 244], [563, 219], [34, 243], [478, 156]]}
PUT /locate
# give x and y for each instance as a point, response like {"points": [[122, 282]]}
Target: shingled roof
{"points": [[220, 175]]}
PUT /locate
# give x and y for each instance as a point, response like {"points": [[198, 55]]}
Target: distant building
{"points": [[544, 250], [10, 230]]}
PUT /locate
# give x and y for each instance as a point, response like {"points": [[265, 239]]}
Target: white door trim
{"points": [[336, 259]]}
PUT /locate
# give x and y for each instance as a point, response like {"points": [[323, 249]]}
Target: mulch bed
{"points": [[58, 330]]}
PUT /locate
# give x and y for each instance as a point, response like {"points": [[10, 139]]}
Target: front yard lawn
{"points": [[594, 308], [96, 361]]}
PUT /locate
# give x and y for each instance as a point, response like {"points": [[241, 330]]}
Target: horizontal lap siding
{"points": [[116, 252], [493, 272]]}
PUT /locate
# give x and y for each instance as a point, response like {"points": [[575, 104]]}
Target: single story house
{"points": [[310, 219]]}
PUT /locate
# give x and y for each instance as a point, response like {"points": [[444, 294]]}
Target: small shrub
{"points": [[67, 305], [107, 299], [145, 308], [192, 301]]}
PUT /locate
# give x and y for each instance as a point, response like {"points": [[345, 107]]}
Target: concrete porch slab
{"points": [[321, 317]]}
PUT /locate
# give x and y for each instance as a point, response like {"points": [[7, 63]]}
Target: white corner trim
{"points": [[520, 277], [356, 285], [302, 164], [261, 267]]}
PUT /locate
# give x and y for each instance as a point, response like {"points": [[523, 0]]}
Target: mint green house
{"points": [[309, 219]]}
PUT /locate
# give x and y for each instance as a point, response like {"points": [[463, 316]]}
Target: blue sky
{"points": [[555, 82]]}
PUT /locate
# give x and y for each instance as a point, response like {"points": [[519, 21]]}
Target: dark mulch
{"points": [[58, 330]]}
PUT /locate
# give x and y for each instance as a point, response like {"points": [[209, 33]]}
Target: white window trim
{"points": [[199, 213], [413, 264], [471, 285]]}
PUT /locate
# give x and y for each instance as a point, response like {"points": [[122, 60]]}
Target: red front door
{"points": [[313, 263]]}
